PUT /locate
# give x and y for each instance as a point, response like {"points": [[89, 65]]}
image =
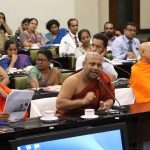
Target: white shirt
{"points": [[67, 44], [107, 67]]}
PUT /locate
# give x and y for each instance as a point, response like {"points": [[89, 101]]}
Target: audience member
{"points": [[4, 28], [55, 34], [109, 31], [22, 27], [126, 46], [31, 36], [4, 78], [14, 60], [140, 75], [85, 38], [70, 41], [42, 74], [4, 31], [99, 44], [73, 98]]}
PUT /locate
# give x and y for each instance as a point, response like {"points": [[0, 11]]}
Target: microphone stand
{"points": [[108, 61], [54, 61], [104, 85]]}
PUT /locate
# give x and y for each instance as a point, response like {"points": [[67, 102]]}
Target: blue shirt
{"points": [[61, 33], [121, 45], [22, 61]]}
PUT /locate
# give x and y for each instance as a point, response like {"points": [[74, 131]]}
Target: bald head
{"points": [[93, 54], [145, 51]]}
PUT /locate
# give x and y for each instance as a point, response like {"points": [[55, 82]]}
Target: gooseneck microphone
{"points": [[108, 61], [56, 62], [104, 85]]}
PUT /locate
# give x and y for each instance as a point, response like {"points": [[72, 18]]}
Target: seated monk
{"points": [[140, 75], [86, 89]]}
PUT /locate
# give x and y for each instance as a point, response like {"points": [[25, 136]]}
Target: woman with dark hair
{"points": [[22, 27], [42, 75], [31, 36], [55, 33], [14, 60], [4, 28], [85, 38]]}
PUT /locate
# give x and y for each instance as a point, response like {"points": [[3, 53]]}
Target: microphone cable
{"points": [[56, 62], [104, 85]]}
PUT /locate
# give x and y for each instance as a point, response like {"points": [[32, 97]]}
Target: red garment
{"points": [[2, 99], [99, 90]]}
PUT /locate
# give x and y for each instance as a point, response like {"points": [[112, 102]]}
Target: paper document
{"points": [[17, 103]]}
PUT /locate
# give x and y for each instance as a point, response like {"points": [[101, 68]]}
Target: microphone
{"points": [[104, 85], [108, 61], [56, 62], [69, 54]]}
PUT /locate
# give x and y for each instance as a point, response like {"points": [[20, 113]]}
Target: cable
{"points": [[58, 63]]}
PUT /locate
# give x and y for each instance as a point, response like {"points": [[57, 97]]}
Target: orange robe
{"points": [[2, 99], [99, 90], [140, 81]]}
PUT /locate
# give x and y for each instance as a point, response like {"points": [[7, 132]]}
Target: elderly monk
{"points": [[140, 75], [88, 88]]}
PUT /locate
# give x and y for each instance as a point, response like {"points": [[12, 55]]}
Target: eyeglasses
{"points": [[41, 60], [131, 30]]}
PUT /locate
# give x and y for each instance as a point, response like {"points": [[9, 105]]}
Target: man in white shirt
{"points": [[99, 44], [70, 42]]}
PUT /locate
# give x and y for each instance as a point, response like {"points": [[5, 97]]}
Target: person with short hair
{"points": [[99, 44], [94, 90], [126, 46], [70, 41], [43, 75], [140, 75]]}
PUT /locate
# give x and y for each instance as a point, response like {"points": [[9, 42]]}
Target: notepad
{"points": [[17, 103]]}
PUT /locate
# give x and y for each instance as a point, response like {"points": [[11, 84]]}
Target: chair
{"points": [[19, 83], [65, 75], [33, 53], [40, 105]]}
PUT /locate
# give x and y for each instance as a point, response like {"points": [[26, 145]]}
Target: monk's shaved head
{"points": [[89, 54], [144, 46], [145, 52]]}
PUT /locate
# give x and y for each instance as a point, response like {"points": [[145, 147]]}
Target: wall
{"points": [[92, 14], [16, 10], [144, 15]]}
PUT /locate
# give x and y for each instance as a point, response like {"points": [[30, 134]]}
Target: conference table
{"points": [[136, 116]]}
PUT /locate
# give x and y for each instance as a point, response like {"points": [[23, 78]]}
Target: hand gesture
{"points": [[14, 58], [89, 97]]}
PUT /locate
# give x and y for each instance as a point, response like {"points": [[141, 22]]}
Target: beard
{"points": [[109, 35]]}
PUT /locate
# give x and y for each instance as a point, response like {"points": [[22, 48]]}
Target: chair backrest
{"points": [[33, 53], [21, 82]]}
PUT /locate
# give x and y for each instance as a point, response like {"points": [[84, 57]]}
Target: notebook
{"points": [[17, 103]]}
